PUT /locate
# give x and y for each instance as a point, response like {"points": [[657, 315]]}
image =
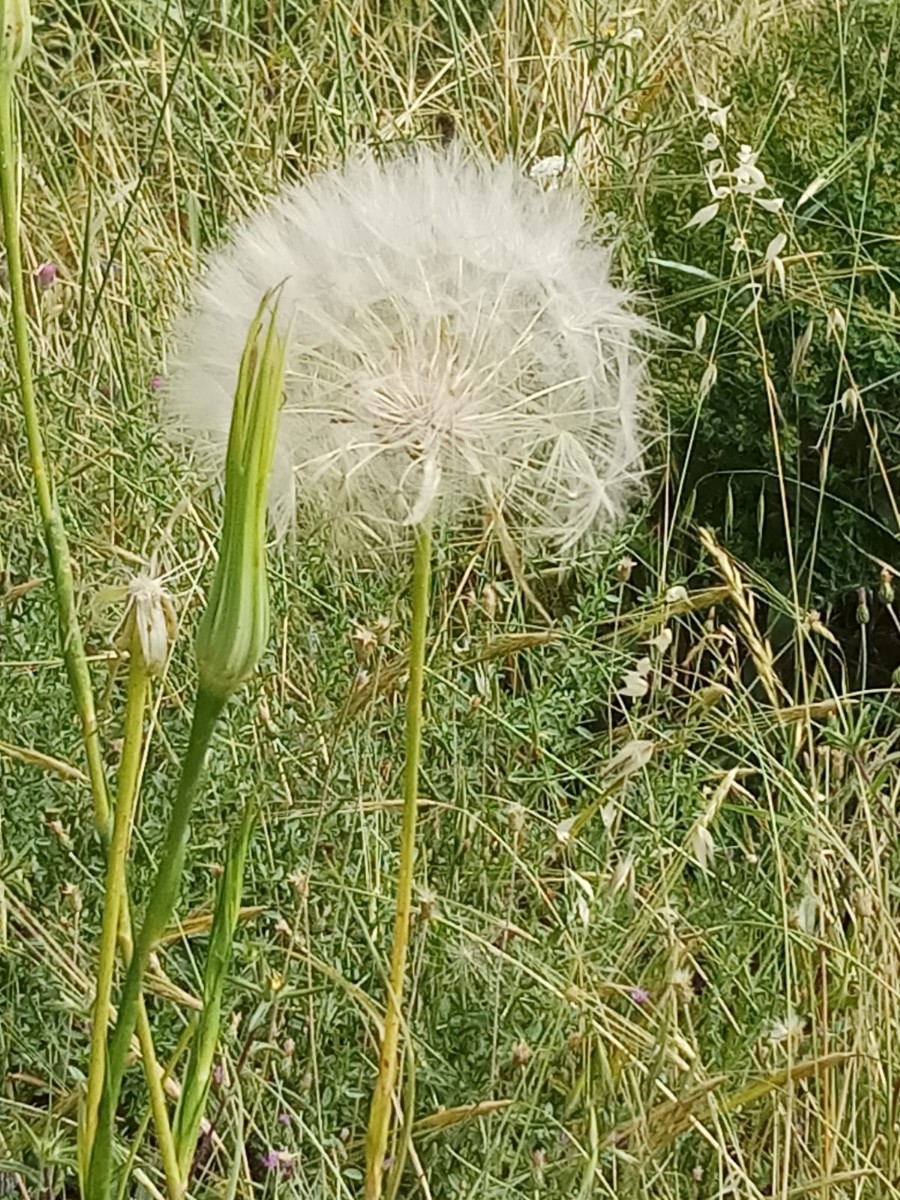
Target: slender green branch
{"points": [[54, 531], [380, 1111], [159, 910], [60, 561], [129, 771], [198, 1073]]}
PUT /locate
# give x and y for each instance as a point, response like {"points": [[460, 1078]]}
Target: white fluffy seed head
{"points": [[455, 342]]}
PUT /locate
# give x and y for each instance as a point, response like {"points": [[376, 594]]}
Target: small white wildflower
{"points": [[662, 641], [709, 143], [700, 332], [703, 216], [708, 379], [772, 204], [849, 402], [748, 178], [817, 184], [775, 247], [635, 683], [836, 325], [714, 112], [622, 878], [790, 1030], [454, 344], [677, 594], [682, 985], [547, 171], [738, 244], [703, 847]]}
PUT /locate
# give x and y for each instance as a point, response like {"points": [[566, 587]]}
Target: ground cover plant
{"points": [[654, 946]]}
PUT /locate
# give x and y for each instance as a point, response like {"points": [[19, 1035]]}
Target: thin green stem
{"points": [[207, 708], [198, 1072], [54, 531], [129, 772], [380, 1111], [57, 544], [155, 1075]]}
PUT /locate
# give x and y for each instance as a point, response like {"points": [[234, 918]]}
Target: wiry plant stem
{"points": [[207, 708], [380, 1112], [61, 566], [116, 928], [129, 770], [198, 1073], [54, 531]]}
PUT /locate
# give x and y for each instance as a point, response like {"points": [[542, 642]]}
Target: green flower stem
{"points": [[116, 930], [380, 1111], [198, 1073], [129, 771], [207, 708], [54, 531], [55, 535], [155, 1077]]}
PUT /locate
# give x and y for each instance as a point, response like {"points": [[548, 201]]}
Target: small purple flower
{"points": [[270, 1160], [156, 383], [45, 275], [284, 1118], [639, 996]]}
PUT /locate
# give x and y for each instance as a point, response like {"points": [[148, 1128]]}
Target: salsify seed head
{"points": [[454, 343]]}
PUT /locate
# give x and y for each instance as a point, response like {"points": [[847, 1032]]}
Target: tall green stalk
{"points": [[55, 538], [129, 770], [198, 1072], [230, 640], [159, 911], [54, 531], [380, 1111]]}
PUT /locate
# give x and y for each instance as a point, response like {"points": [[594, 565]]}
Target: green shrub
{"points": [[825, 106]]}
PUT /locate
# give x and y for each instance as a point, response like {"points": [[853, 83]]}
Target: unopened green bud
{"points": [[235, 627], [15, 34]]}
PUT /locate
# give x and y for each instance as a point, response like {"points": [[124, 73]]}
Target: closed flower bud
{"points": [[235, 626], [151, 619]]}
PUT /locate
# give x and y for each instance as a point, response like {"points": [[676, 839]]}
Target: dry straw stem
{"points": [[742, 600]]}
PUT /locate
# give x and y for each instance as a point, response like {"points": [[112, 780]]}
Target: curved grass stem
{"points": [[382, 1096]]}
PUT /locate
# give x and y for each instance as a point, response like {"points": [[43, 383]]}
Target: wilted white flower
{"points": [[454, 343], [148, 619]]}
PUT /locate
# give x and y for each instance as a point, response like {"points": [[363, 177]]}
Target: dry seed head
{"points": [[454, 344]]}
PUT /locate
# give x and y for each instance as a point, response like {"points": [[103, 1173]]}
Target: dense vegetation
{"points": [[657, 934]]}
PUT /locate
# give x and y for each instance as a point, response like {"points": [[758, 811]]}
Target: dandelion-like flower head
{"points": [[454, 341]]}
